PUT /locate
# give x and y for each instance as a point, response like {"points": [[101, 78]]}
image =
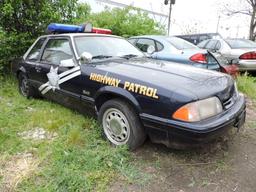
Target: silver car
{"points": [[241, 51]]}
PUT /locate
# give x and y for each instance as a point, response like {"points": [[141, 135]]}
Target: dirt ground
{"points": [[227, 165]]}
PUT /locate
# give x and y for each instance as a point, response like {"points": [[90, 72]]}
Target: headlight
{"points": [[199, 110]]}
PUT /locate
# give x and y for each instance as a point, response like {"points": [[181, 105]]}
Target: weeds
{"points": [[78, 159]]}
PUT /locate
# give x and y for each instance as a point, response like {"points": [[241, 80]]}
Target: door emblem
{"points": [[56, 79]]}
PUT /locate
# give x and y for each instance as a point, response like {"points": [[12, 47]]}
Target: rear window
{"points": [[240, 43], [180, 43]]}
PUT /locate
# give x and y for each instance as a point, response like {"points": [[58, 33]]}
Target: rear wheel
{"points": [[121, 124], [25, 89]]}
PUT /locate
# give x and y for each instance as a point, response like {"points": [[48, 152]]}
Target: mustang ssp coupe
{"points": [[132, 96]]}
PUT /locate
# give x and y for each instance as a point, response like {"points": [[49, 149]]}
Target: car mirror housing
{"points": [[67, 63], [151, 49], [85, 58]]}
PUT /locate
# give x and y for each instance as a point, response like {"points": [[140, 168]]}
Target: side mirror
{"points": [[85, 58], [151, 49], [67, 63]]}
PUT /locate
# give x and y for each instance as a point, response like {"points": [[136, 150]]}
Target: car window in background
{"points": [[57, 50], [240, 43], [180, 44], [202, 44], [132, 41], [110, 46], [218, 45], [143, 44], [34, 53], [211, 44], [159, 46]]}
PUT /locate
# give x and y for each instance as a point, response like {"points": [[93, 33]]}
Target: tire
{"points": [[121, 125], [24, 88]]}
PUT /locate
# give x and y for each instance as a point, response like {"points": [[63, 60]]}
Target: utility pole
{"points": [[217, 29], [172, 2]]}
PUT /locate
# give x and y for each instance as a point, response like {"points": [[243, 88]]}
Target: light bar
{"points": [[101, 31], [86, 28]]}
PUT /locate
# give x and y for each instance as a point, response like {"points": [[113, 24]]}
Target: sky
{"points": [[196, 15]]}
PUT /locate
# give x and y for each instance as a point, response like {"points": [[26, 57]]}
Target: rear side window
{"points": [[35, 51], [57, 50]]}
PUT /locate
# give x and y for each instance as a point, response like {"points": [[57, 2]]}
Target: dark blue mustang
{"points": [[132, 96]]}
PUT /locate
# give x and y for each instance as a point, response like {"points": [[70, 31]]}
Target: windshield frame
{"points": [[103, 36]]}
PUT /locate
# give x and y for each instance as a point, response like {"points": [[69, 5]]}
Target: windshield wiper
{"points": [[129, 56], [101, 57]]}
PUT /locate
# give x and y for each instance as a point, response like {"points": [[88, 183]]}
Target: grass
{"points": [[247, 84], [77, 160]]}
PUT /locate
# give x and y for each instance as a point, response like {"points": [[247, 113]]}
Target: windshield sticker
{"points": [[129, 86], [55, 80]]}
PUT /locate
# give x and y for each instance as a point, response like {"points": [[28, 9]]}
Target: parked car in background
{"points": [[229, 67], [240, 50], [197, 38], [177, 50]]}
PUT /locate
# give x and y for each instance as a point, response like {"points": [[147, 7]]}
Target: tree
{"points": [[126, 22], [245, 7], [21, 21]]}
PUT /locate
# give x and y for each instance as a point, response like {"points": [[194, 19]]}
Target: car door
{"points": [[68, 87], [32, 64]]}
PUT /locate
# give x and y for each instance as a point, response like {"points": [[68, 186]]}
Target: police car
{"points": [[132, 96]]}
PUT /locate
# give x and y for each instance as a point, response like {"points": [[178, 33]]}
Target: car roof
{"points": [[156, 37], [80, 35]]}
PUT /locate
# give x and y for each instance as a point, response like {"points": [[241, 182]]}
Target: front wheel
{"points": [[121, 124]]}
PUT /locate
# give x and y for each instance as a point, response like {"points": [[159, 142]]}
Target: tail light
{"points": [[248, 56], [198, 58]]}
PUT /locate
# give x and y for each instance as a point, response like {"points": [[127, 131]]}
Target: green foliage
{"points": [[78, 159], [21, 22], [247, 85], [126, 22]]}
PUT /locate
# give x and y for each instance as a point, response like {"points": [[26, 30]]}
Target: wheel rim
{"points": [[24, 86], [116, 126]]}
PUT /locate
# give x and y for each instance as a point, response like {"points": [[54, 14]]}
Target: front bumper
{"points": [[179, 134]]}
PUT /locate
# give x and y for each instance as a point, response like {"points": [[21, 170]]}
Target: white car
{"points": [[241, 50]]}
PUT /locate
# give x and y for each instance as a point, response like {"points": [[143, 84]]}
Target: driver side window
{"points": [[57, 50], [143, 44]]}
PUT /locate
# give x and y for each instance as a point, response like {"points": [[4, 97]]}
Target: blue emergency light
{"points": [[65, 28], [85, 28]]}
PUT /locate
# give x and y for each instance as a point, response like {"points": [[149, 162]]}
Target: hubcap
{"points": [[116, 126], [24, 86]]}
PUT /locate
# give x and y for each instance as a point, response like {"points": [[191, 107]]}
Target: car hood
{"points": [[169, 76]]}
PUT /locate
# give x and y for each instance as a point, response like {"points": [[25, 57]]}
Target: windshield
{"points": [[180, 44], [240, 43], [105, 46]]}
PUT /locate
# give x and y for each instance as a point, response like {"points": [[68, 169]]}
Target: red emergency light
{"points": [[101, 31]]}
